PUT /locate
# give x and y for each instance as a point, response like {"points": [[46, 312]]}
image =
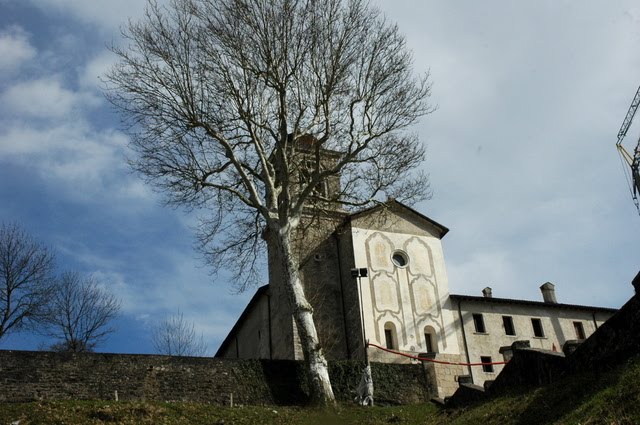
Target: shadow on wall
{"points": [[285, 382]]}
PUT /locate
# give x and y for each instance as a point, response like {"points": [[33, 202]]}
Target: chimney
{"points": [[636, 283], [549, 293], [486, 292]]}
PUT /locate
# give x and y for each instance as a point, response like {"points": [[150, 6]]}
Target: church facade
{"points": [[379, 275]]}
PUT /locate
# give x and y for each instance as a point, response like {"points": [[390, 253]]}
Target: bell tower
{"points": [[316, 246]]}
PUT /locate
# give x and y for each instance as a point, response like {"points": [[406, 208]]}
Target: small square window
{"points": [[486, 366], [478, 322], [579, 328], [537, 328], [507, 322]]}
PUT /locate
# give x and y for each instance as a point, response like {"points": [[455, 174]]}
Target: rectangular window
{"points": [[478, 322], [579, 330], [485, 366], [537, 328], [507, 322], [388, 338]]}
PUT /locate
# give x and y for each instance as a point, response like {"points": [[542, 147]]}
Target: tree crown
{"points": [[223, 96]]}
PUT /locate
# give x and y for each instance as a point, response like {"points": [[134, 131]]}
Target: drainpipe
{"points": [[344, 310], [594, 320], [464, 340], [269, 315]]}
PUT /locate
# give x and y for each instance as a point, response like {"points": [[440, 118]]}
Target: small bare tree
{"points": [[26, 279], [176, 336], [233, 106], [80, 312]]}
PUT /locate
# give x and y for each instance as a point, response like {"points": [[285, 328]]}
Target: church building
{"points": [[379, 275]]}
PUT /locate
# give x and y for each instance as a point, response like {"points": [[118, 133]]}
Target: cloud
{"points": [[45, 98], [95, 69], [108, 15], [80, 161], [15, 49], [522, 156]]}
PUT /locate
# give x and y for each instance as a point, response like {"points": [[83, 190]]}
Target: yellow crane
{"points": [[632, 161]]}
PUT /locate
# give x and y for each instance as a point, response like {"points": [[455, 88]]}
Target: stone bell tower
{"points": [[317, 246]]}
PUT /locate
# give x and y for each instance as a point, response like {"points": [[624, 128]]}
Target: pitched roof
{"points": [[236, 327], [394, 204]]}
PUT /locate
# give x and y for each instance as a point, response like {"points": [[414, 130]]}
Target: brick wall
{"points": [[35, 375]]}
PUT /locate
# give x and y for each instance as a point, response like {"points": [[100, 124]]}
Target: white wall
{"points": [[557, 323], [412, 297]]}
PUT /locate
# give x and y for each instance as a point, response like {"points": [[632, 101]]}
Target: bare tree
{"points": [[26, 280], [233, 106], [79, 313], [176, 336]]}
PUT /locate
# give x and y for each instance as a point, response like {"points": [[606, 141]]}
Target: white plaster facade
{"points": [[558, 324], [411, 298]]}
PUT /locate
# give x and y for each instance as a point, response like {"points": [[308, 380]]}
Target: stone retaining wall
{"points": [[36, 375], [444, 377], [617, 340]]}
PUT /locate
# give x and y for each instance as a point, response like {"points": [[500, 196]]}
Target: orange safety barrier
{"points": [[423, 359]]}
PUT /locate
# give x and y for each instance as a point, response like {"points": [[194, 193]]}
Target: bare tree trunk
{"points": [[317, 370]]}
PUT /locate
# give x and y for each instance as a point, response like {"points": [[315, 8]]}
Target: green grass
{"points": [[100, 412], [606, 398]]}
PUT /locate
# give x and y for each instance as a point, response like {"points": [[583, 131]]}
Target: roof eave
{"points": [[443, 230], [528, 302]]}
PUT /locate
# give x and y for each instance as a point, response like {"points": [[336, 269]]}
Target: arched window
{"points": [[430, 340], [390, 336]]}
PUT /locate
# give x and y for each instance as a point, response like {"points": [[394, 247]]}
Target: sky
{"points": [[521, 155]]}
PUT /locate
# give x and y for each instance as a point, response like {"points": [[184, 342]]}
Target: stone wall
{"points": [[614, 342], [530, 367], [441, 378], [324, 288], [466, 395], [35, 375], [444, 377]]}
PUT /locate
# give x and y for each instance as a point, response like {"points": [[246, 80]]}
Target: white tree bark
{"points": [[321, 391]]}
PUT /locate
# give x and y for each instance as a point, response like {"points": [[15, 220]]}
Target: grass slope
{"points": [[611, 397], [606, 398]]}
